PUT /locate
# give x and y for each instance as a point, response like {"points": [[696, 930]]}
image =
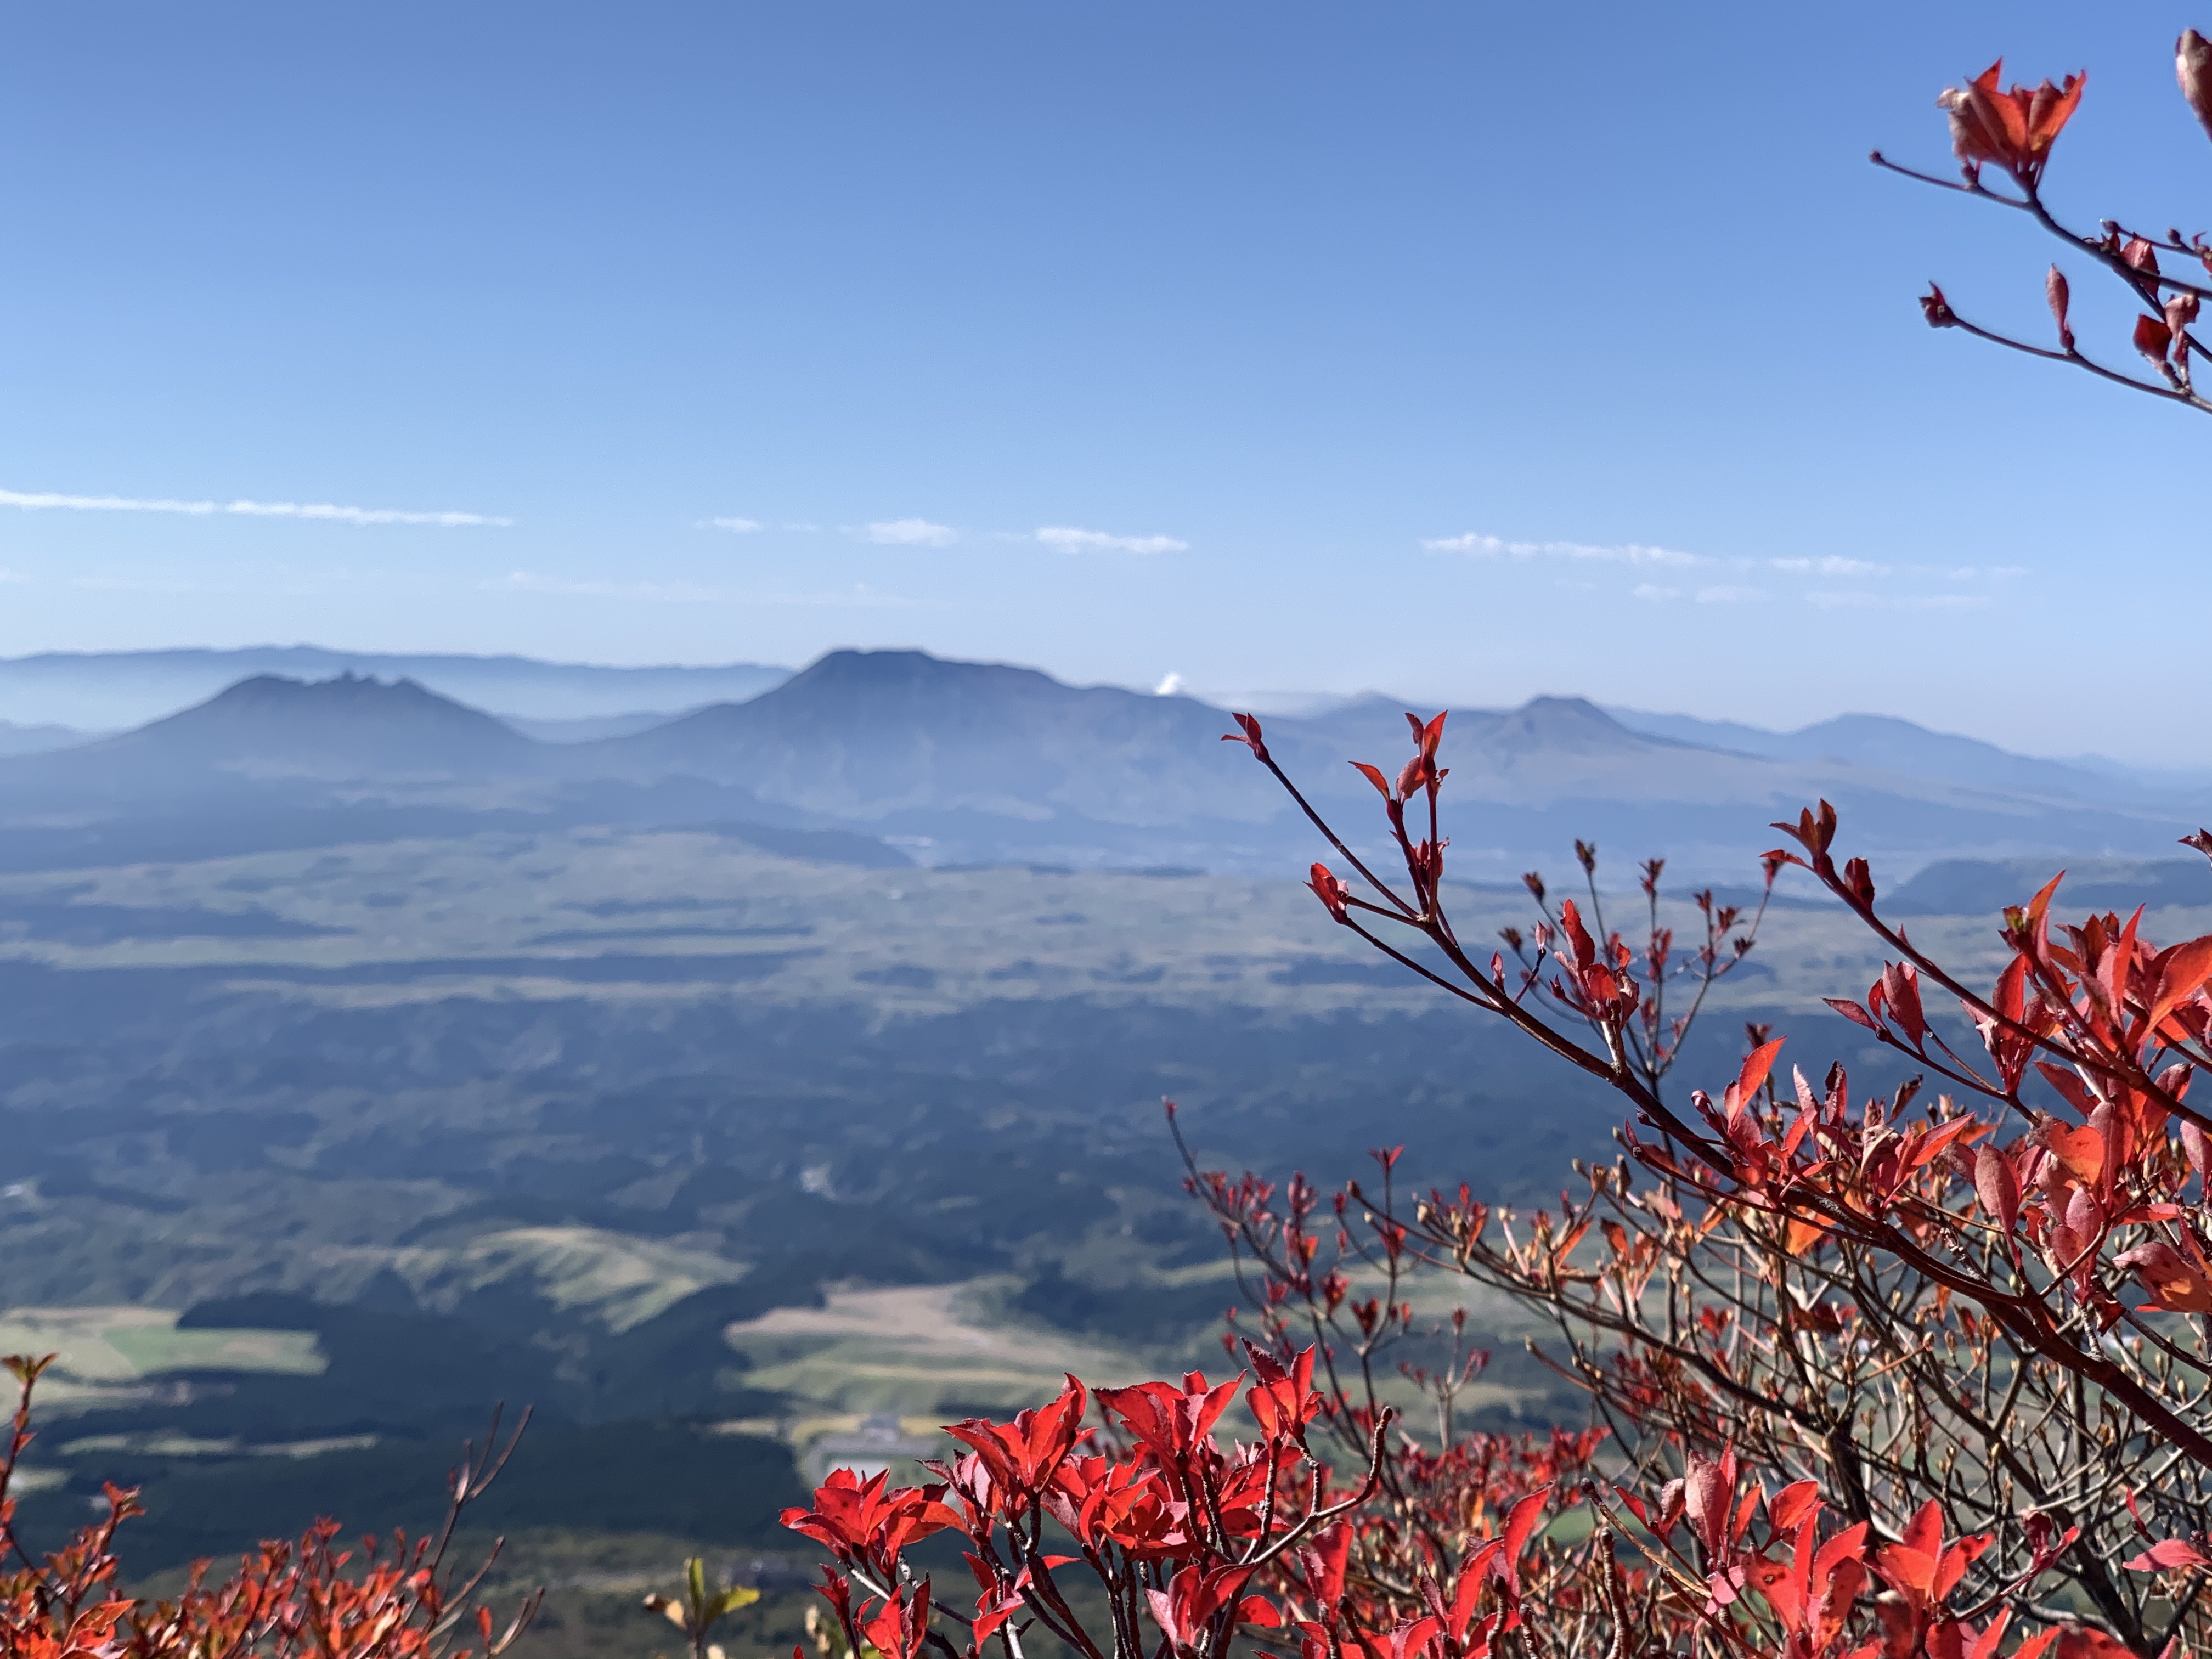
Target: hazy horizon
{"points": [[1279, 700]]}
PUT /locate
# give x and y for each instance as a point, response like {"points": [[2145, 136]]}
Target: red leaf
{"points": [[2068, 1084], [1756, 1065], [2183, 972], [2039, 906], [1994, 1184], [2180, 312], [2082, 1150], [1373, 776], [2192, 68], [1248, 735], [1707, 1488], [1258, 1610], [1519, 1524], [2167, 1554], [1328, 889], [2015, 129], [1792, 1504], [2172, 1284], [1577, 935]]}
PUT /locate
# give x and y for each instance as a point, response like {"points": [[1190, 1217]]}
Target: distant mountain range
{"points": [[98, 691], [1897, 745], [897, 754]]}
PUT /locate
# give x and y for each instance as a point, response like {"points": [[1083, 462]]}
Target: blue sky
{"points": [[1362, 346]]}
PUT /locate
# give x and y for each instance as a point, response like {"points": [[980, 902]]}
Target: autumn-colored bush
{"points": [[1990, 1302], [1872, 1375], [1918, 1372], [287, 1601]]}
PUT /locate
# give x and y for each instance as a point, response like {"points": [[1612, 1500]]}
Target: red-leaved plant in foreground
{"points": [[309, 1600], [1981, 1315], [1921, 1372], [1148, 1534], [1874, 1378]]}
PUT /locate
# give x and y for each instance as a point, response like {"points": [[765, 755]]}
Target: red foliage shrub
{"points": [[1456, 1554], [1872, 1377], [1942, 1320], [312, 1598]]}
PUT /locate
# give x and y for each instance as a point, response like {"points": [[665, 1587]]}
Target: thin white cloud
{"points": [[1735, 579], [911, 532], [325, 511], [1830, 567], [736, 526], [1171, 685], [1478, 545], [1068, 539], [857, 597]]}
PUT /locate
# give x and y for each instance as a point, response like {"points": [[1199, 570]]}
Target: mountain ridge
{"points": [[94, 691], [270, 719], [967, 761], [1857, 739]]}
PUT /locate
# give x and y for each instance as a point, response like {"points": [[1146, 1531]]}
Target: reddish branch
{"points": [[2013, 132]]}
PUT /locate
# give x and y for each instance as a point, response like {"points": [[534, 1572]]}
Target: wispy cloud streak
{"points": [[910, 533], [1830, 567], [1477, 545], [1833, 567], [1068, 539], [323, 511]]}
